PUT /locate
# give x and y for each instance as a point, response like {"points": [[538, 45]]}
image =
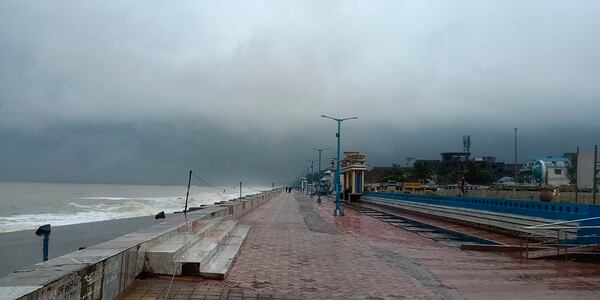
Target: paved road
{"points": [[297, 249]]}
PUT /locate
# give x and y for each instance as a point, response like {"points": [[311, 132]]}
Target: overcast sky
{"points": [[142, 91]]}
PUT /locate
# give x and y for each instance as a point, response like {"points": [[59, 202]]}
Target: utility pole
{"points": [[595, 187], [338, 207], [576, 179], [240, 190], [515, 154]]}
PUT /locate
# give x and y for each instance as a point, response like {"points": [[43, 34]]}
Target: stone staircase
{"points": [[206, 249]]}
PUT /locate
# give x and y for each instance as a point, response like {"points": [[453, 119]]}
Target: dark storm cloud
{"points": [[140, 91]]}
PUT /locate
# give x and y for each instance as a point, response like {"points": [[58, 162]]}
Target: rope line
{"points": [[235, 187]]}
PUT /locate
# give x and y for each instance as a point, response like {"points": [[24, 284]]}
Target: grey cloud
{"points": [[237, 87]]}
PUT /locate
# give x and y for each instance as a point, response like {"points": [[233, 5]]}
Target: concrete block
{"points": [[113, 271], [91, 281], [220, 264], [39, 275], [66, 288], [161, 259], [104, 270], [196, 256], [16, 292]]}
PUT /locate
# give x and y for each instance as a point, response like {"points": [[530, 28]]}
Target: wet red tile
{"points": [[297, 249]]}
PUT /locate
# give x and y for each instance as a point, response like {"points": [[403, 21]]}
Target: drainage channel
{"points": [[442, 235]]}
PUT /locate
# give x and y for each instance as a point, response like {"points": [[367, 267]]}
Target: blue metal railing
{"points": [[541, 209], [532, 208]]}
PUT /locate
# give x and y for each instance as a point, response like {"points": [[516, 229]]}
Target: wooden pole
{"points": [[187, 195]]}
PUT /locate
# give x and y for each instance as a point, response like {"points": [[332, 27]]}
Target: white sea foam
{"points": [[100, 208]]}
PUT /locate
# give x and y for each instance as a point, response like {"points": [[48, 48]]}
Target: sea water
{"points": [[29, 205]]}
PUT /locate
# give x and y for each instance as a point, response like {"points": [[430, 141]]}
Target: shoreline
{"points": [[21, 249]]}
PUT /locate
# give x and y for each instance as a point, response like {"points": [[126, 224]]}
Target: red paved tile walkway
{"points": [[296, 248]]}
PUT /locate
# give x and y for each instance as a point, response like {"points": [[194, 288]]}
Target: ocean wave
{"points": [[101, 208], [32, 221], [103, 198]]}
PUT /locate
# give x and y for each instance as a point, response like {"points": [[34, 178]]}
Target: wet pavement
{"points": [[296, 249]]}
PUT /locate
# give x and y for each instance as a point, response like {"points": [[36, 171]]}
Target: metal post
{"points": [[338, 208], [320, 160], [319, 182], [595, 170], [515, 167], [187, 195], [45, 231], [312, 172], [45, 246], [319, 172], [240, 190], [307, 178], [576, 180]]}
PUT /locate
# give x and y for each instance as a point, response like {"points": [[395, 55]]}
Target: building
{"points": [[551, 170], [454, 160], [353, 175]]}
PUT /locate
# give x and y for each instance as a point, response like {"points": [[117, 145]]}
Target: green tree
{"points": [[393, 174], [447, 176], [441, 176], [421, 171], [476, 175], [572, 166]]}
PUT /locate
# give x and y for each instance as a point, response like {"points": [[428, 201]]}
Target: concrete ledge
{"points": [[499, 222], [240, 206], [500, 248], [105, 270]]}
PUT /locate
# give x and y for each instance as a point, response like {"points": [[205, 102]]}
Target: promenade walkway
{"points": [[297, 250]]}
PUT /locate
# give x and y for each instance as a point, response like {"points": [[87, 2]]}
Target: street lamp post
{"points": [[312, 173], [338, 207], [307, 180], [319, 171]]}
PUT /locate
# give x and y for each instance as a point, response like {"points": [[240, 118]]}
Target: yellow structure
{"points": [[411, 185], [353, 175]]}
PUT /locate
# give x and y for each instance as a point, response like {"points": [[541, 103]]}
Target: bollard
{"points": [[44, 230]]}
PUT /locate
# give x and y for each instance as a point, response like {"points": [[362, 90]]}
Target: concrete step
{"points": [[221, 231], [160, 258], [220, 263], [561, 253], [507, 221], [196, 256], [189, 262]]}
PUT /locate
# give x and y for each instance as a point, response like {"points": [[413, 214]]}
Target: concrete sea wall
{"points": [[105, 270]]}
